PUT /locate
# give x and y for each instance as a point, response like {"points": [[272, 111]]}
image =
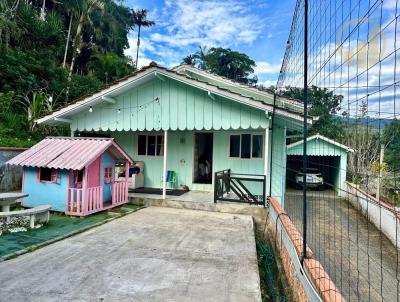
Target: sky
{"points": [[258, 28]]}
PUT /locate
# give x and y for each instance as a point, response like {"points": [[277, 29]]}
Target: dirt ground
{"points": [[363, 263]]}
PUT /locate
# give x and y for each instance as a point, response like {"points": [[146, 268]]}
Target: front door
{"points": [[203, 158]]}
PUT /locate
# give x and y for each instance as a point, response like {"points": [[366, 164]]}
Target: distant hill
{"points": [[367, 121]]}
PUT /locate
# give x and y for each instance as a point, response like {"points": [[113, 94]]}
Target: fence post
{"points": [[264, 184], [215, 186]]}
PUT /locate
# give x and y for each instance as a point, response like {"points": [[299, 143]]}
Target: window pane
{"points": [[142, 145], [151, 145], [234, 149], [45, 174], [160, 145], [246, 143], [257, 146]]}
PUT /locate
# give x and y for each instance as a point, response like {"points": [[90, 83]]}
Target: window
{"points": [[78, 177], [246, 146], [150, 145], [257, 145], [108, 175], [47, 175]]}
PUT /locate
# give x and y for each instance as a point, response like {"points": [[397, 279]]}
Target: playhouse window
{"points": [[78, 177], [107, 175], [150, 145], [246, 146], [47, 175]]}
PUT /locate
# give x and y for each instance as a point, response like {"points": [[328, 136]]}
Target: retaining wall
{"points": [[309, 282], [10, 176], [385, 217]]}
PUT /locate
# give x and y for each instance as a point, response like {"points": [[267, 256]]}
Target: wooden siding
{"points": [[180, 157], [169, 105]]}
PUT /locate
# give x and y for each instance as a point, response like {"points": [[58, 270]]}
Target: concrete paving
{"points": [[155, 254]]}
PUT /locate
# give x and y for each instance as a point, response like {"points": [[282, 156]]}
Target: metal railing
{"points": [[239, 187]]}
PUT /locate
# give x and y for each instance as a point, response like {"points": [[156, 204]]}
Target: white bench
{"points": [[39, 213]]}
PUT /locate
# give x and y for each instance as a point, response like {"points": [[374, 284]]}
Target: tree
{"points": [[391, 135], [324, 105], [201, 57], [139, 19], [85, 8], [224, 62]]}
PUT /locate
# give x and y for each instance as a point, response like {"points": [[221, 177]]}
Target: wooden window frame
{"points": [[108, 174], [53, 177]]}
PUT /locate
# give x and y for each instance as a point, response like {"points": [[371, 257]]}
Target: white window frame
{"points": [[251, 146], [147, 134]]}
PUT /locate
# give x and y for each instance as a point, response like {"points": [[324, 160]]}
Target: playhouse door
{"points": [[94, 174]]}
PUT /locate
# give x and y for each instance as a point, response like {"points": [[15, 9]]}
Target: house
{"points": [[327, 155], [190, 122], [74, 175]]}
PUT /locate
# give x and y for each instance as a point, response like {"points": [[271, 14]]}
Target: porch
{"points": [[81, 202]]}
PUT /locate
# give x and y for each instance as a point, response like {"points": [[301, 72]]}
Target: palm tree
{"points": [[84, 9], [139, 19], [201, 57]]}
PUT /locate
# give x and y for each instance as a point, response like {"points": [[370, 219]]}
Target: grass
{"points": [[59, 225]]}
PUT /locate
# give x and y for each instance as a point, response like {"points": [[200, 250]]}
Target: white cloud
{"points": [[266, 68], [268, 83]]}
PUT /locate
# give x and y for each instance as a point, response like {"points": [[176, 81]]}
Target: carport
{"points": [[328, 156]]}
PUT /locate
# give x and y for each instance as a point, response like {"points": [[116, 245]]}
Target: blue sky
{"points": [[257, 28]]}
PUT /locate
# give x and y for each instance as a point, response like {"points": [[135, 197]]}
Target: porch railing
{"points": [[238, 187], [119, 192], [82, 202]]}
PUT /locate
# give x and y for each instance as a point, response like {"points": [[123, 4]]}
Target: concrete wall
{"points": [[309, 282], [383, 216], [10, 176], [42, 193]]}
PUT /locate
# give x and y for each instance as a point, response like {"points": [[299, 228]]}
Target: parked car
{"points": [[314, 179]]}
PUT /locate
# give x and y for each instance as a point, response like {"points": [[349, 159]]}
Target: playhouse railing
{"points": [[119, 192], [94, 200], [82, 203]]}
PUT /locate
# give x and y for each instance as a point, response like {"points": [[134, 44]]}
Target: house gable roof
{"points": [[150, 72], [320, 137], [68, 152], [246, 90]]}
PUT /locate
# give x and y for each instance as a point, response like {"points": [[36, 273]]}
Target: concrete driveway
{"points": [[155, 254]]}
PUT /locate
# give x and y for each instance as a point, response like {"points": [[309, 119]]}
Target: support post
{"points": [[126, 180], [164, 178], [305, 128], [84, 191], [266, 152]]}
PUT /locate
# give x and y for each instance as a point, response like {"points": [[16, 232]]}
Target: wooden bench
{"points": [[39, 213]]}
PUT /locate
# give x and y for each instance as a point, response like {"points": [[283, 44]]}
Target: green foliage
{"points": [[224, 62], [109, 67], [391, 134], [81, 85], [324, 105], [33, 79]]}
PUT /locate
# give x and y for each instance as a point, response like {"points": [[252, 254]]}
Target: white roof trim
{"points": [[155, 71], [184, 67], [318, 136]]}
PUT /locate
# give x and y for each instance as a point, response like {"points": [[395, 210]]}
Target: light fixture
{"points": [[119, 111], [90, 109]]}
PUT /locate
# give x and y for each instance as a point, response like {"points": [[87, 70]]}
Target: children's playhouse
{"points": [[75, 175]]}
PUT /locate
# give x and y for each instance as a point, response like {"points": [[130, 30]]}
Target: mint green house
{"points": [[188, 121]]}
